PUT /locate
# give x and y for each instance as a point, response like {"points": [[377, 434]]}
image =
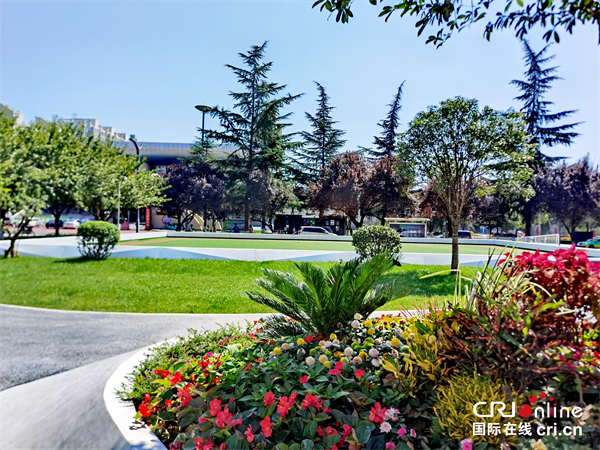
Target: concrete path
{"points": [[36, 343]]}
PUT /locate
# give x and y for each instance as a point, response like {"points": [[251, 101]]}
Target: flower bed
{"points": [[523, 334]]}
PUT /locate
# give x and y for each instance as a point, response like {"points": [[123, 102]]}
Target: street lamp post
{"points": [[137, 152], [203, 110]]}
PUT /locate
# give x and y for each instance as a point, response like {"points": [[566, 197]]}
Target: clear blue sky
{"points": [[141, 66]]}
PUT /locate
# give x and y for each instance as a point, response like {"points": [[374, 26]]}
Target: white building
{"points": [[13, 113], [91, 127]]}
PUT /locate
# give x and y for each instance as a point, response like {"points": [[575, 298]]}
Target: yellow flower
{"points": [[300, 341], [395, 342], [405, 334], [368, 323], [345, 359], [327, 364], [333, 336], [345, 340], [371, 331], [277, 351], [363, 355], [539, 445], [322, 359], [338, 354]]}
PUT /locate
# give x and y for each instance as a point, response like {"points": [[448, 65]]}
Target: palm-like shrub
{"points": [[322, 299]]}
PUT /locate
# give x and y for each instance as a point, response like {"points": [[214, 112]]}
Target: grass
{"points": [[172, 286], [302, 245]]}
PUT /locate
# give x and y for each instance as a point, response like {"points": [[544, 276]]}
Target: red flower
{"points": [[248, 366], [312, 400], [377, 413], [304, 379], [185, 395], [335, 372], [308, 338], [202, 420], [249, 435], [269, 398], [223, 418], [259, 360], [215, 407], [168, 403], [144, 410], [176, 378], [267, 428], [203, 445], [284, 404], [146, 398], [339, 365], [320, 431], [359, 373]]}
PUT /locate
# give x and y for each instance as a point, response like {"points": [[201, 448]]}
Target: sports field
{"points": [[303, 245]]}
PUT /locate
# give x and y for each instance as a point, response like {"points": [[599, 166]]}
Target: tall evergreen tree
{"points": [[256, 130], [540, 121], [386, 142], [323, 143]]}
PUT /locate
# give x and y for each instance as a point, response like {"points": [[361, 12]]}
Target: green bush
{"points": [[374, 240], [97, 239]]}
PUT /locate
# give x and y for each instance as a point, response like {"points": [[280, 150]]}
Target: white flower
{"points": [[272, 354], [355, 324], [321, 343], [349, 351], [377, 341], [327, 344], [394, 353], [385, 427], [285, 346], [373, 353], [336, 342], [358, 316], [375, 362], [310, 361], [357, 360], [391, 413]]}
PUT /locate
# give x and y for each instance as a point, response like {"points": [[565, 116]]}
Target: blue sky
{"points": [[141, 66]]}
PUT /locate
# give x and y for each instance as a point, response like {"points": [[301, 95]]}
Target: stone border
{"points": [[122, 412]]}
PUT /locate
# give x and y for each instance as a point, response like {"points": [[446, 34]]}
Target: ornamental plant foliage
{"points": [[97, 239], [392, 382], [375, 240]]}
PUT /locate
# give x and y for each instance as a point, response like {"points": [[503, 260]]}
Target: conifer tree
{"points": [[386, 142], [256, 129], [323, 143], [540, 121]]}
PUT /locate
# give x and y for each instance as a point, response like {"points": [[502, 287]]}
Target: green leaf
{"points": [[363, 434], [232, 441], [307, 444], [331, 440], [298, 428], [311, 429]]}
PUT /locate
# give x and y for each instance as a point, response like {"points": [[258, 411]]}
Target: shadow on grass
{"points": [[409, 279]]}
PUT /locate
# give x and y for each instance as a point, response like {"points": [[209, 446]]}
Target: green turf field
{"points": [[302, 245], [174, 286]]}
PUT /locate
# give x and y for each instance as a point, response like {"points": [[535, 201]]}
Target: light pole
{"points": [[119, 203], [203, 110], [137, 210]]}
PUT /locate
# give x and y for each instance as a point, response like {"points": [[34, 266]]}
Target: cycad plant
{"points": [[322, 299]]}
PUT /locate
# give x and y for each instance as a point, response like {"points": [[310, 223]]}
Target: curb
{"points": [[138, 435]]}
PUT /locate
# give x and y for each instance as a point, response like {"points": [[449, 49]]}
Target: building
{"points": [[91, 127], [13, 113], [159, 155]]}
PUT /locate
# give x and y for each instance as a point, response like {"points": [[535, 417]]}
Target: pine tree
{"points": [[256, 130], [386, 142], [539, 119], [323, 143]]}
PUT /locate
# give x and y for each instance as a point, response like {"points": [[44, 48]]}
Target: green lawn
{"points": [[302, 245], [171, 286]]}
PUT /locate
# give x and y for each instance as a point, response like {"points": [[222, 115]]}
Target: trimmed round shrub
{"points": [[97, 239], [375, 240]]}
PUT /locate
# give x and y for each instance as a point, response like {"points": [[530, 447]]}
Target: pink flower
{"points": [[267, 428], [359, 373], [249, 435], [413, 433], [402, 432], [335, 372], [466, 444], [385, 427], [215, 407], [377, 413], [390, 446], [304, 379]]}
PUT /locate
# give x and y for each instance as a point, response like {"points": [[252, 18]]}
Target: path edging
{"points": [[123, 412]]}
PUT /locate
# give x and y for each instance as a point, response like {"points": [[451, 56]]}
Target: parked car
{"points": [[590, 243], [36, 223], [464, 234], [73, 224], [51, 222], [316, 231]]}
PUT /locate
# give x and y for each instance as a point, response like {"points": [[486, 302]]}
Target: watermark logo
{"points": [[547, 408]]}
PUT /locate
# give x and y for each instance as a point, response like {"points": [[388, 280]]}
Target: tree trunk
{"points": [[454, 263], [10, 251], [179, 224], [246, 213], [527, 218], [57, 223]]}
